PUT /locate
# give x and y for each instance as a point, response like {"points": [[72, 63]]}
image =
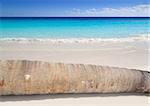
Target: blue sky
{"points": [[47, 8]]}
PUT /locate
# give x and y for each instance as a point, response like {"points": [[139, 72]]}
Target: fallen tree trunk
{"points": [[34, 77]]}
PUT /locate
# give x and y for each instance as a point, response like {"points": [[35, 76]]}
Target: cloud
{"points": [[76, 11], [138, 11]]}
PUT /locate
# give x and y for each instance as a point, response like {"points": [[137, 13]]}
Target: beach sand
{"points": [[132, 54]]}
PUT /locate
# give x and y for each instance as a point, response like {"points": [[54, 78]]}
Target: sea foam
{"points": [[78, 40]]}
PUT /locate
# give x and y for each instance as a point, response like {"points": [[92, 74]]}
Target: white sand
{"points": [[128, 54]]}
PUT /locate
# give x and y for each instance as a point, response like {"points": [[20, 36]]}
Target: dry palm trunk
{"points": [[34, 77]]}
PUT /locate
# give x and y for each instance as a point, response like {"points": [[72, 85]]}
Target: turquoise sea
{"points": [[63, 28]]}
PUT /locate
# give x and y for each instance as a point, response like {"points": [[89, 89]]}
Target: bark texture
{"points": [[21, 77]]}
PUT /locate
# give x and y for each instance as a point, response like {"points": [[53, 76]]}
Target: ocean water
{"points": [[64, 28]]}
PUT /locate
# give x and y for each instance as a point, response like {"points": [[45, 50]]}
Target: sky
{"points": [[77, 8]]}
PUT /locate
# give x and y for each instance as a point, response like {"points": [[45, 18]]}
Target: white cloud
{"points": [[76, 11], [138, 11]]}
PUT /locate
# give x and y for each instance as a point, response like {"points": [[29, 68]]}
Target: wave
{"points": [[78, 40]]}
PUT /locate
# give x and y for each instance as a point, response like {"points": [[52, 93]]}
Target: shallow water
{"points": [[62, 28]]}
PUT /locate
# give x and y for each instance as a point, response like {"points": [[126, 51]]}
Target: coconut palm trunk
{"points": [[34, 77]]}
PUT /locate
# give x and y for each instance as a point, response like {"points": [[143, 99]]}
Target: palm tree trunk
{"points": [[34, 77]]}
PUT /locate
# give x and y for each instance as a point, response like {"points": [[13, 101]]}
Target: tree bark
{"points": [[21, 77]]}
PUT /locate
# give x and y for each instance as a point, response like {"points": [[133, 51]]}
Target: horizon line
{"points": [[74, 17]]}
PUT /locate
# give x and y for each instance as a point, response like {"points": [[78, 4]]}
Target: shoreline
{"points": [[79, 40]]}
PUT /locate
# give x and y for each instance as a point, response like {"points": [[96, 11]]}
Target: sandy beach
{"points": [[133, 54], [74, 52], [126, 53]]}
